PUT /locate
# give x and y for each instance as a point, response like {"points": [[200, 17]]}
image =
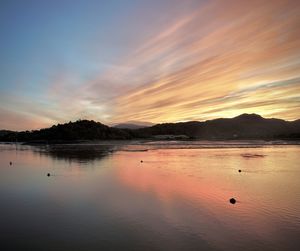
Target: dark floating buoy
{"points": [[240, 170], [10, 163], [232, 201], [142, 161], [48, 174]]}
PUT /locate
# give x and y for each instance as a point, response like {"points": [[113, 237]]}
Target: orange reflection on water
{"points": [[206, 179], [168, 184], [178, 195]]}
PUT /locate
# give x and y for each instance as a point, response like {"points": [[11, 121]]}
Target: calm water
{"points": [[102, 197]]}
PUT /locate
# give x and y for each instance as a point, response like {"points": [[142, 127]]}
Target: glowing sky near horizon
{"points": [[155, 61]]}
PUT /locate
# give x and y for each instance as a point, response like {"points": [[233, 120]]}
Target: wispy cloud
{"points": [[219, 61], [197, 60]]}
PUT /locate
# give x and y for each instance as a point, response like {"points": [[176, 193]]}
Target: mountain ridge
{"points": [[244, 126], [133, 125]]}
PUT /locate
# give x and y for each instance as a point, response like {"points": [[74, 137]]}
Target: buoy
{"points": [[232, 201], [10, 163], [240, 170], [141, 161], [48, 174]]}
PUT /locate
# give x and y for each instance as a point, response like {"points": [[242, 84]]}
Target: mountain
{"points": [[133, 125], [128, 126], [245, 126], [79, 130]]}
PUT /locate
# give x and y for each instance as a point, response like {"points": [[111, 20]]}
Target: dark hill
{"points": [[245, 126], [128, 126], [190, 129], [79, 130], [5, 132]]}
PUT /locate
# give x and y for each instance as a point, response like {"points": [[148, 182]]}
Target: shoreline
{"points": [[200, 142]]}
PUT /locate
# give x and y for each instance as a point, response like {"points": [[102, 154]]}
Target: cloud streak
{"points": [[225, 60], [176, 61]]}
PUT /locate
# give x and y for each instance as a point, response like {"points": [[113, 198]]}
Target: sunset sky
{"points": [[153, 61]]}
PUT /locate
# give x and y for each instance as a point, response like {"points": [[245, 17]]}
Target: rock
{"points": [[142, 161], [240, 170], [10, 163], [232, 200], [48, 174]]}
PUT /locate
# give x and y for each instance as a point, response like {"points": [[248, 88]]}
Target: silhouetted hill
{"points": [[133, 125], [245, 126], [190, 129], [4, 132], [128, 126], [79, 130]]}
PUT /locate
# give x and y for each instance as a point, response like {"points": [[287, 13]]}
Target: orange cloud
{"points": [[199, 60], [13, 120], [208, 63]]}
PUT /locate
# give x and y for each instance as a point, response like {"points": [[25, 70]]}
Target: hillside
{"points": [[245, 126], [79, 130], [129, 126]]}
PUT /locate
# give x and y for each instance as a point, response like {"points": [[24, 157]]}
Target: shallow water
{"points": [[102, 197]]}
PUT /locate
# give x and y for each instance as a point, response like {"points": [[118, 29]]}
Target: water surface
{"points": [[102, 197]]}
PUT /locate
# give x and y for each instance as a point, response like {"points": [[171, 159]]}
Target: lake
{"points": [[150, 196]]}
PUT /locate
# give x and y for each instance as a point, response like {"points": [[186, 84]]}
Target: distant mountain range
{"points": [[133, 125], [245, 126]]}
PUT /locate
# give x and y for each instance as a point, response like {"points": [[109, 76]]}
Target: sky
{"points": [[152, 61]]}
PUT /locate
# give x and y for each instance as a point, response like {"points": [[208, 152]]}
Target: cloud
{"points": [[197, 60], [217, 63], [14, 120]]}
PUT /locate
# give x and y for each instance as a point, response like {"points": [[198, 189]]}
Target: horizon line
{"points": [[153, 124]]}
